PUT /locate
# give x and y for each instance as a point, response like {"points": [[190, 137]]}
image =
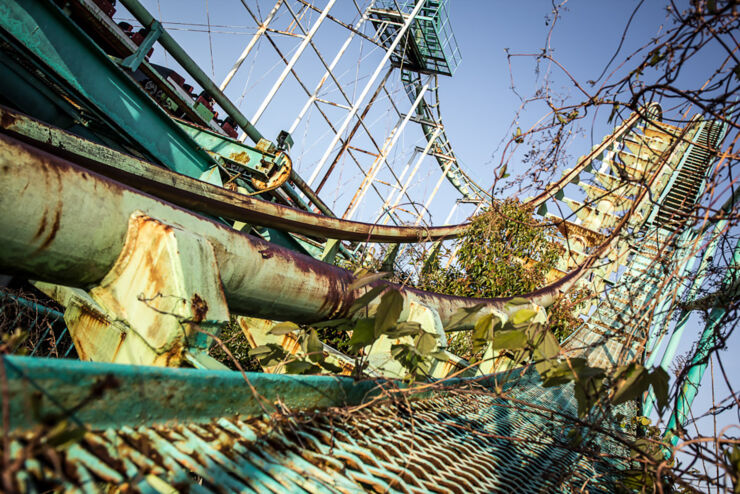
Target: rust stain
{"points": [[156, 283], [200, 308], [42, 226], [118, 347], [7, 120], [53, 232], [240, 157], [100, 452]]}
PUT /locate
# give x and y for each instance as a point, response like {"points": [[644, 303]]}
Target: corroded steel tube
{"points": [[203, 197], [65, 224]]}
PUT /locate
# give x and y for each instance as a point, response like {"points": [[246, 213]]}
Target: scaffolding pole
{"points": [[378, 164], [356, 106], [252, 42], [291, 63]]}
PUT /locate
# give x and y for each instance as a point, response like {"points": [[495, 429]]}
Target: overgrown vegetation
{"points": [[505, 251]]}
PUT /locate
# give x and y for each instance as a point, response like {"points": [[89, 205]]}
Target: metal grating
{"points": [[464, 440]]}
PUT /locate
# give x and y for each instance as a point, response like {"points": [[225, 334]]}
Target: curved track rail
{"points": [[217, 201]]}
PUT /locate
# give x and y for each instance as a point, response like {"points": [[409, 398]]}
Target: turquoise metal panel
{"points": [[473, 440], [47, 33]]}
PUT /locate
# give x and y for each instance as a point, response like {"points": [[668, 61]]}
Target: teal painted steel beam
{"points": [[700, 359], [42, 28], [192, 68], [136, 395], [256, 162], [133, 61], [102, 394]]}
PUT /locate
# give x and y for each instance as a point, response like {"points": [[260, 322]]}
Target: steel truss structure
{"points": [[154, 225]]}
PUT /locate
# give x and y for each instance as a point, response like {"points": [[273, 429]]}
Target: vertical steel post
{"points": [[252, 42], [378, 164], [356, 106], [690, 386], [291, 63], [398, 198]]}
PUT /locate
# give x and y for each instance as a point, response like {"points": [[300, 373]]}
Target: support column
{"points": [[378, 164], [355, 107], [306, 40]]}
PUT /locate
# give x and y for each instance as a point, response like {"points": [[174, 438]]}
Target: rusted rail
{"points": [[203, 197], [50, 207], [206, 198]]}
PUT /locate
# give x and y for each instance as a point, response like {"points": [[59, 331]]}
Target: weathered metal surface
{"points": [[203, 197], [585, 161], [160, 300], [135, 395], [466, 440], [92, 75], [174, 49], [124, 46], [259, 278]]}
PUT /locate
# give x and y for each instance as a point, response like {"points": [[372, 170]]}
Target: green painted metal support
{"points": [[390, 258], [192, 68], [88, 71], [663, 309], [331, 247], [139, 395], [133, 61], [700, 359], [256, 162]]}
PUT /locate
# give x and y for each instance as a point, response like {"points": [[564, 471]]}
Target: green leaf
{"points": [[63, 435], [523, 315], [328, 366], [483, 332], [516, 301], [283, 328], [632, 381], [399, 350], [301, 367], [426, 343], [366, 280], [546, 345], [509, 340], [389, 310], [406, 328], [440, 355], [659, 379], [260, 350], [363, 334], [314, 347], [587, 392], [368, 297], [464, 316], [559, 373], [331, 324], [269, 354]]}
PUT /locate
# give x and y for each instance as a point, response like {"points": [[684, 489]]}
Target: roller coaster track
{"points": [[151, 265]]}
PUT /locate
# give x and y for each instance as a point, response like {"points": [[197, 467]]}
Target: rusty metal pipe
{"points": [[206, 198], [65, 224]]}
